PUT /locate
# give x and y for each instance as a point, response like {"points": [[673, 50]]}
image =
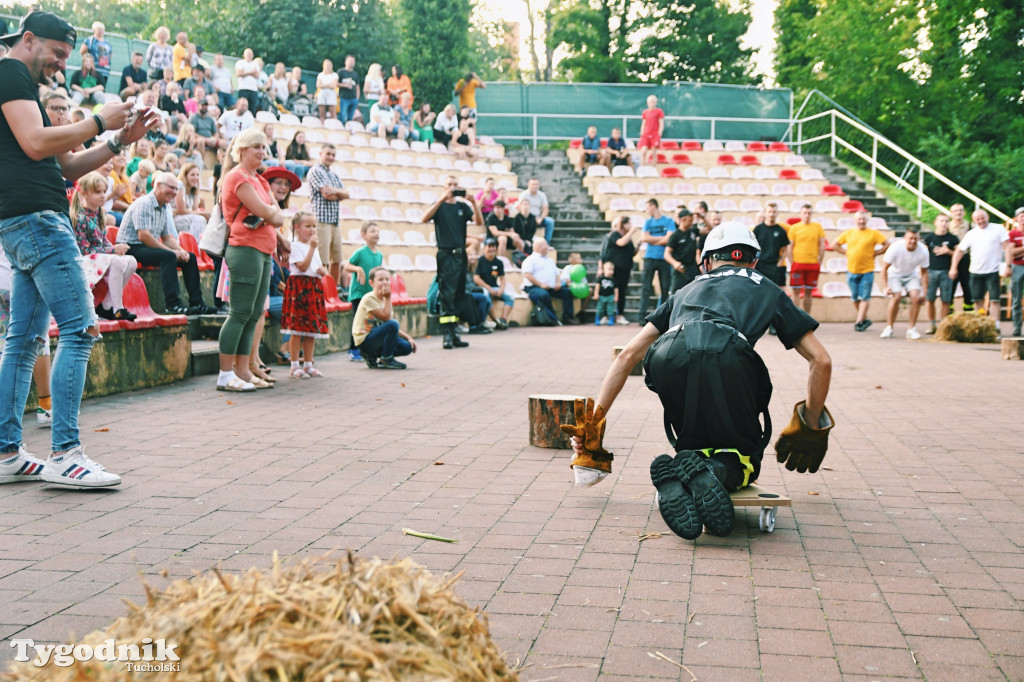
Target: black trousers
{"points": [[621, 278], [168, 263], [681, 279], [654, 266], [963, 275], [451, 284]]}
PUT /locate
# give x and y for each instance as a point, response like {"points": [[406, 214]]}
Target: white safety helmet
{"points": [[728, 235]]}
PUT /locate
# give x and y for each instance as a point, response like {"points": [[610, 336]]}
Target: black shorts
{"points": [[773, 272], [988, 282]]}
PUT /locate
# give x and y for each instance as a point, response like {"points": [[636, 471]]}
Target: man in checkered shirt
{"points": [[325, 196]]}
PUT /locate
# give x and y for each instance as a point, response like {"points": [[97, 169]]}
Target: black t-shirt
{"points": [[682, 244], [740, 298], [170, 106], [606, 286], [500, 224], [19, 173], [525, 227], [618, 145], [932, 240], [344, 92], [138, 77], [772, 239], [620, 256], [490, 270], [450, 224], [701, 237]]}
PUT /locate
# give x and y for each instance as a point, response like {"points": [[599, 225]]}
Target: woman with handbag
{"points": [[252, 237]]}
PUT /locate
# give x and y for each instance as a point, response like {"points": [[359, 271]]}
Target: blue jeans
{"points": [[297, 168], [860, 285], [383, 341], [542, 297], [549, 229], [227, 100], [483, 305], [47, 278], [276, 302], [347, 109]]}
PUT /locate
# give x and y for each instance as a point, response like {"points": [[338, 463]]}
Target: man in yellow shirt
{"points": [[466, 90], [805, 251], [183, 57], [861, 245]]}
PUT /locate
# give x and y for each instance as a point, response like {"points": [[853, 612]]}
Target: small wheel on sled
{"points": [[767, 520]]}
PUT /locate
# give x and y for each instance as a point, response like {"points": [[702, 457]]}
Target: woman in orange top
{"points": [[397, 84]]}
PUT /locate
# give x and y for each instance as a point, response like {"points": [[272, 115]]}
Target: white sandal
{"points": [[299, 373], [236, 385]]}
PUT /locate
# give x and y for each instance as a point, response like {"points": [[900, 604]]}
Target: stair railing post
{"points": [[712, 137], [624, 135], [534, 116], [833, 137], [920, 189], [800, 137], [874, 159]]}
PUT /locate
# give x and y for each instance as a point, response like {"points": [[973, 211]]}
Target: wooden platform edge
{"points": [[751, 496]]}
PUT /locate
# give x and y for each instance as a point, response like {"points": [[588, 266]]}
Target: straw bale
{"points": [[967, 328], [326, 620]]}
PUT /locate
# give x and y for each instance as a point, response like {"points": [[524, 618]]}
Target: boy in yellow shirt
{"points": [[861, 245], [805, 251]]}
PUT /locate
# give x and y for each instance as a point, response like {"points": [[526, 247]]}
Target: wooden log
{"points": [[638, 368], [1013, 348], [547, 412]]}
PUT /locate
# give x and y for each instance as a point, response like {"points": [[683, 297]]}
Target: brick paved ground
{"points": [[901, 559]]}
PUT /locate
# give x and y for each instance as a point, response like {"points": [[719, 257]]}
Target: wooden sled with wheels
{"points": [[756, 496]]}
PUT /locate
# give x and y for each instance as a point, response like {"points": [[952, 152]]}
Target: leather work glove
{"points": [[592, 462], [800, 446]]}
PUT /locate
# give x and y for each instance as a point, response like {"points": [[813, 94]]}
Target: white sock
{"points": [[225, 377], [308, 365], [295, 364]]}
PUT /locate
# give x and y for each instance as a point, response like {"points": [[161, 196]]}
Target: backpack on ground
{"points": [[542, 317]]}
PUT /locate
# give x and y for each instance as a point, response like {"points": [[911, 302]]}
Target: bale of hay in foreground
{"points": [[342, 620], [967, 328]]}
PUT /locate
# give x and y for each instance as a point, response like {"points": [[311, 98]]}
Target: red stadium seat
{"points": [[671, 145], [136, 300], [832, 191], [792, 221], [681, 158], [749, 160], [692, 146], [576, 144], [778, 147], [330, 289], [788, 174], [671, 172], [661, 158], [399, 294], [112, 235], [604, 143], [189, 243], [757, 147], [852, 206], [726, 160]]}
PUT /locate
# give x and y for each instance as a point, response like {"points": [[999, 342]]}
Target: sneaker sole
{"points": [[714, 506], [72, 483], [674, 501], [17, 479]]}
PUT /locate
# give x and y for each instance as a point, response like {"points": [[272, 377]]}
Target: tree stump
{"points": [[638, 368], [1013, 348], [546, 413]]}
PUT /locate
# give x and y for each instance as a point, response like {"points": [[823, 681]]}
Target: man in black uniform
{"points": [[681, 253], [450, 214], [619, 250], [714, 388], [773, 239]]}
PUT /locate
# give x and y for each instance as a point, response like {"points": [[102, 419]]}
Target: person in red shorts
{"points": [[650, 130], [805, 251]]}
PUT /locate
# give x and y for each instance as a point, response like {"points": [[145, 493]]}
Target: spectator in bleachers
{"points": [[565, 277], [57, 107], [773, 240], [296, 86], [905, 271], [605, 294], [190, 213], [275, 151], [174, 105], [543, 281], [987, 243], [805, 252], [446, 125], [384, 121], [167, 79], [277, 86], [539, 207], [524, 224], [861, 244], [941, 244], [423, 121], [197, 79], [205, 126], [376, 331], [501, 228], [617, 154], [326, 194], [1016, 264], [373, 85], [159, 54], [348, 90], [247, 72], [327, 91], [681, 251], [142, 179], [360, 263], [398, 84], [296, 156], [404, 112], [651, 129], [304, 312], [183, 56], [619, 250], [486, 198], [140, 151], [463, 143], [466, 89], [133, 77], [220, 77], [100, 49], [478, 297], [122, 190], [101, 260], [657, 229], [234, 121], [170, 164], [490, 274], [148, 230], [87, 84], [591, 151]]}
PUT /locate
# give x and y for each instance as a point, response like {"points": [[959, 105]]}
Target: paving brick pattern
{"points": [[900, 559]]}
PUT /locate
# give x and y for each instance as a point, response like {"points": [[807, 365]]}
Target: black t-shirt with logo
{"points": [[740, 298], [682, 244], [490, 270], [606, 286], [26, 186], [450, 224], [772, 239], [347, 92], [505, 224], [932, 240]]}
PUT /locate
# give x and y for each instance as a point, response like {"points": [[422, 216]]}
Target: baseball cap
{"points": [[43, 25], [490, 241], [1018, 211], [683, 212]]}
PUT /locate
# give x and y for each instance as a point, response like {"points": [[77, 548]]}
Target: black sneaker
{"points": [[201, 309], [176, 310], [570, 321], [502, 324], [125, 314], [479, 329], [105, 313], [371, 361], [390, 363]]}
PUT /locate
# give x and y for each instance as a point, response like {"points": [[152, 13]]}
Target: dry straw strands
{"points": [[967, 328], [322, 620]]}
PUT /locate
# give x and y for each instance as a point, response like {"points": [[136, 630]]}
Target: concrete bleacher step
{"points": [[838, 173], [205, 358]]}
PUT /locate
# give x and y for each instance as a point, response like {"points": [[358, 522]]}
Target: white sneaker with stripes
{"points": [[74, 469]]}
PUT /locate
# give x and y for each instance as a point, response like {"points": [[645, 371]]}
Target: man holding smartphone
{"points": [[451, 213], [148, 230]]}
